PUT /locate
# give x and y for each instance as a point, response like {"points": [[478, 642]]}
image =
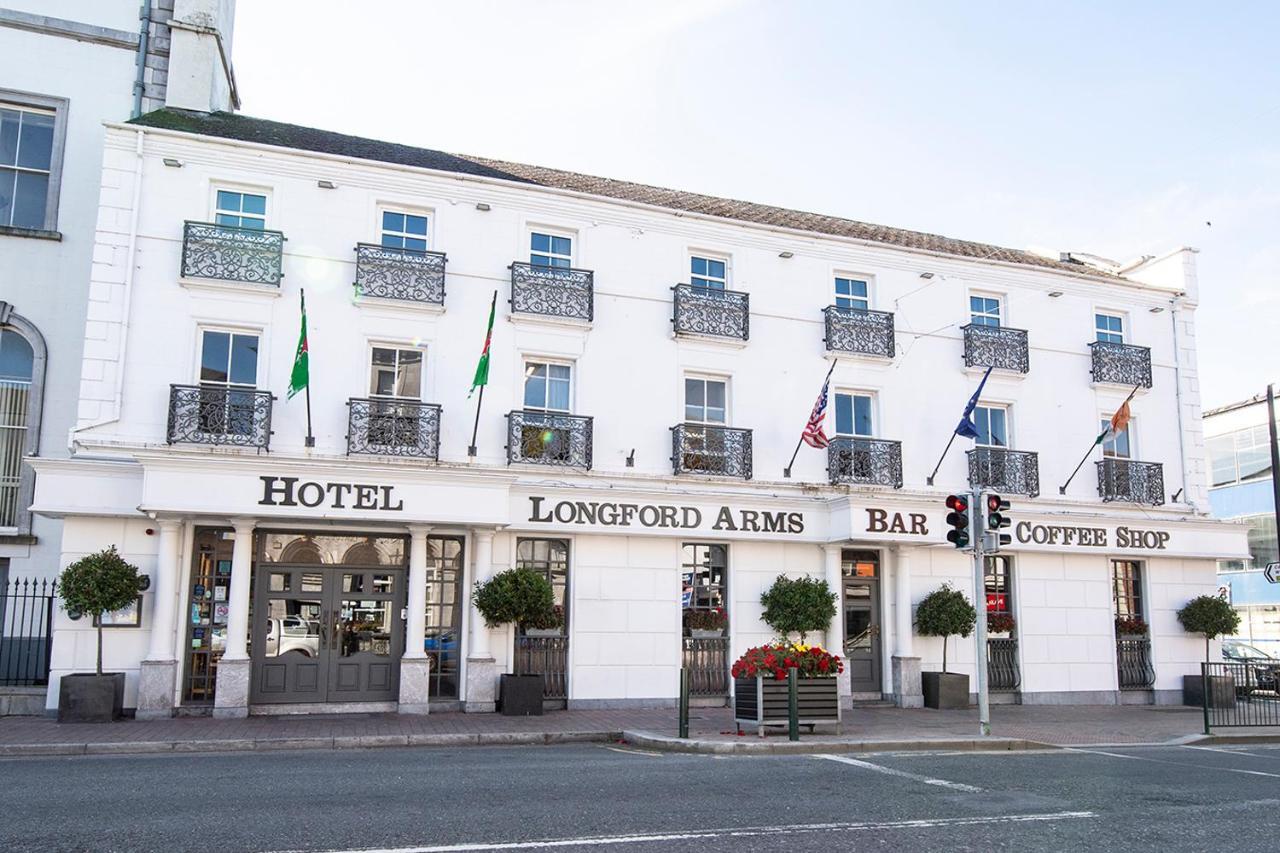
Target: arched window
{"points": [[22, 362]]}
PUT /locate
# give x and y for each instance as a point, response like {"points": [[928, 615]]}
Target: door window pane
{"points": [[984, 311], [709, 273], [1109, 328], [852, 293], [550, 250], [853, 415], [242, 210], [404, 230]]}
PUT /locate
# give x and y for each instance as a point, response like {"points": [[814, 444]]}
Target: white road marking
{"points": [[880, 768], [1176, 763], [1232, 751], [742, 832], [634, 751], [1101, 752]]}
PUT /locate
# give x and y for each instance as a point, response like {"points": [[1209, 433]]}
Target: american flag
{"points": [[813, 434]]}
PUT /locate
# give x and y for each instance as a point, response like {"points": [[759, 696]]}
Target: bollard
{"points": [[793, 705], [684, 703]]}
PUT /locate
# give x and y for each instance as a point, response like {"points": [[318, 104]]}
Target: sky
{"points": [[1120, 129]]}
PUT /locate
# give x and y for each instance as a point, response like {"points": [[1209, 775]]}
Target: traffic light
{"points": [[997, 521], [958, 520]]}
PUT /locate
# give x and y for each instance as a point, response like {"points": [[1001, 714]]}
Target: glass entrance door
{"points": [[861, 570]]}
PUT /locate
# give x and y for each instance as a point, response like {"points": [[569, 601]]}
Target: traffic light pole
{"points": [[977, 535]]}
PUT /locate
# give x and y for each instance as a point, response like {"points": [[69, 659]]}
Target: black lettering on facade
{"points": [[876, 520], [918, 526], [667, 516], [533, 510], [749, 522], [366, 497], [284, 491], [337, 491], [724, 520], [772, 522], [311, 494], [795, 522], [649, 515], [586, 512]]}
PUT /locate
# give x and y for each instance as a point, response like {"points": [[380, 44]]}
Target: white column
{"points": [[238, 598], [902, 632], [164, 588], [831, 568], [483, 571], [416, 622]]}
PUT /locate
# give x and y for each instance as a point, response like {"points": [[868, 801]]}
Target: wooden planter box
{"points": [[761, 702]]}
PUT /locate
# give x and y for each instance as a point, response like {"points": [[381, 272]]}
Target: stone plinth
{"points": [[482, 686], [415, 682], [907, 689], [232, 696], [155, 689]]}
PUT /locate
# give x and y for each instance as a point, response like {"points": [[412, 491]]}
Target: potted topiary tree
{"points": [[1212, 617], [798, 606], [942, 613], [92, 586], [522, 597]]}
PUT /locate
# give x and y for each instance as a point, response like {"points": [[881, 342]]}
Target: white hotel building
{"points": [[655, 357]]}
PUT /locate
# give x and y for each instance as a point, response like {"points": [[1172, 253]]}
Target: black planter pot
{"points": [[1222, 691], [945, 690], [520, 695], [91, 698]]}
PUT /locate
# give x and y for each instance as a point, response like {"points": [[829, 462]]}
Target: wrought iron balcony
{"points": [[218, 414], [1003, 470], [409, 275], [996, 346], [553, 291], [855, 330], [1121, 364], [230, 253], [1131, 482], [865, 462], [706, 449], [1133, 663], [393, 428], [708, 311], [1002, 663], [549, 438]]}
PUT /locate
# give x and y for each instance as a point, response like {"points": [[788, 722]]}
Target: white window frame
{"points": [[1103, 420], [705, 378], [528, 360], [1008, 423], [398, 348], [695, 254], [869, 281], [1118, 315], [406, 210], [59, 107], [1001, 306], [855, 392], [214, 210], [228, 330], [571, 236]]}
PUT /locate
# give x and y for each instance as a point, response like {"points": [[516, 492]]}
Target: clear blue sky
{"points": [[1114, 128]]}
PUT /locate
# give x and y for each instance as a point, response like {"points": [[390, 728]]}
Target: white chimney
{"points": [[200, 77]]}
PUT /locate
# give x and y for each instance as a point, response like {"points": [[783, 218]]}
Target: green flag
{"points": [[482, 367], [301, 376]]}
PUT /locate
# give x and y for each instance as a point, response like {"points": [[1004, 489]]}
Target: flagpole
{"points": [[1062, 490], [786, 472], [311, 439], [945, 451], [471, 448], [484, 356]]}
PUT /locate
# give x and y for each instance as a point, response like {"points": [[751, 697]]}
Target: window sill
{"points": [[1001, 372], [871, 358], [549, 320], [269, 290], [692, 337], [1118, 388], [31, 233], [11, 536], [378, 303]]}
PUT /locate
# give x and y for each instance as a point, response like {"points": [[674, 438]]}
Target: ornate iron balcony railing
{"points": [[1131, 482], [865, 461], [855, 330], [408, 275], [1016, 471], [393, 428], [218, 414], [1121, 364], [707, 311], [1133, 663], [1002, 663], [996, 346], [706, 449], [549, 438], [552, 291], [230, 253]]}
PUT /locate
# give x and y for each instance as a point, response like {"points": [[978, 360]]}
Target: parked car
{"points": [[293, 634], [1263, 670]]}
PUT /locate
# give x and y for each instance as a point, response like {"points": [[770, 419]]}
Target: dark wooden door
{"points": [[862, 635]]}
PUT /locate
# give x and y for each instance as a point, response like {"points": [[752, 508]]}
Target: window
{"points": [[1116, 446], [17, 368], [549, 558], [993, 425], [984, 310], [546, 386], [32, 129], [852, 293], [396, 373], [853, 415], [239, 209], [997, 582], [228, 358], [708, 273], [550, 250], [1109, 328], [1240, 456], [703, 572], [404, 230], [1126, 588], [704, 400]]}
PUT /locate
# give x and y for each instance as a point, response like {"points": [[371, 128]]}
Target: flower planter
{"points": [[91, 698], [1222, 691], [520, 695], [761, 702], [706, 634], [945, 690]]}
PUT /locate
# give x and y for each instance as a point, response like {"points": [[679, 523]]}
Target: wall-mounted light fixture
{"points": [[173, 163], [926, 275], [144, 583], [480, 205], [1156, 310], [631, 458], [786, 254], [1054, 294], [326, 185]]}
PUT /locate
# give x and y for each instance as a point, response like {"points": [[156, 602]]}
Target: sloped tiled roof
{"points": [[235, 126]]}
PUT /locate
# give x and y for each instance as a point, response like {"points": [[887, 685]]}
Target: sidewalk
{"points": [[710, 729]]}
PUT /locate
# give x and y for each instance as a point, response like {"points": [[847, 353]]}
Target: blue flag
{"points": [[967, 428]]}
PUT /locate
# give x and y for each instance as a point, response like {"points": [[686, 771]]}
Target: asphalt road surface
{"points": [[593, 797]]}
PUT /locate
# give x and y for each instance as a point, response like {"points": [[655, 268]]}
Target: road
{"points": [[587, 797]]}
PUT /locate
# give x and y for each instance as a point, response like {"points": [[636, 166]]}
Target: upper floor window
{"points": [[242, 210], [228, 358], [1117, 445], [396, 373], [711, 273], [704, 400], [984, 310], [550, 250], [1109, 328], [853, 293], [31, 130], [1241, 455], [547, 386], [404, 230], [993, 425], [853, 415]]}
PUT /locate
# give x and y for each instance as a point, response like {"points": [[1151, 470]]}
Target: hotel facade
{"points": [[654, 358]]}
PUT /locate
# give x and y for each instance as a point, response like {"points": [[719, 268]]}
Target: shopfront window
{"points": [[320, 549], [549, 558], [443, 643], [704, 571], [1126, 589], [999, 589], [208, 597]]}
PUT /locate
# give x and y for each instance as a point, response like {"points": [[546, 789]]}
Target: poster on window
{"points": [[220, 612], [997, 602], [686, 590]]}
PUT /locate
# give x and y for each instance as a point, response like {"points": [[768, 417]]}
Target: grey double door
{"points": [[327, 634]]}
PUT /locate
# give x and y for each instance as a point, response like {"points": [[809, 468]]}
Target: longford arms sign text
{"points": [[611, 514]]}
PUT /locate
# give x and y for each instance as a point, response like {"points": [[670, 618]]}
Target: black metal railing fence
{"points": [[26, 631]]}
